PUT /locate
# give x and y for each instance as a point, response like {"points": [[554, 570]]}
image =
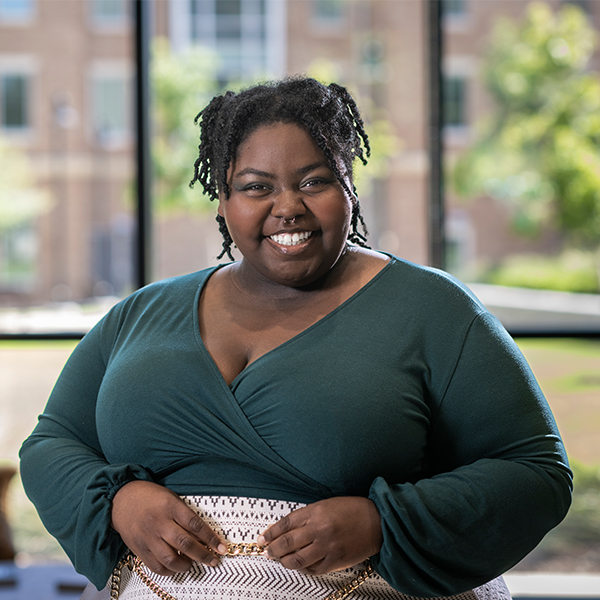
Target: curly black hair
{"points": [[328, 113]]}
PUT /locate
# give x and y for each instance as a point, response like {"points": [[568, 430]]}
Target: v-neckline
{"points": [[196, 321]]}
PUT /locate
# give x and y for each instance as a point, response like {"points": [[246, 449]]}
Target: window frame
{"points": [[142, 136]]}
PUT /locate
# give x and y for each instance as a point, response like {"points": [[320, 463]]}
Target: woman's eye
{"points": [[255, 188], [312, 183]]}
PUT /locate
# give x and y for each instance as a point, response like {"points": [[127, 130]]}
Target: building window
{"points": [[454, 98], [237, 31], [111, 13], [329, 12], [14, 101], [454, 8], [111, 117], [16, 10], [583, 4]]}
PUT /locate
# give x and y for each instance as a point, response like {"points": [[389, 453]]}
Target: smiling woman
{"points": [[361, 420]]}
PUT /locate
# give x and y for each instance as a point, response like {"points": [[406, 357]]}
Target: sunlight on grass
{"points": [[568, 371]]}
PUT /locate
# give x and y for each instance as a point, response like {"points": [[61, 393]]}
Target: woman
{"points": [[325, 401]]}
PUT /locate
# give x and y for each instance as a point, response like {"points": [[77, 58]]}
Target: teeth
{"points": [[291, 239]]}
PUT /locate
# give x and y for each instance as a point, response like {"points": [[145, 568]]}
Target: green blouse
{"points": [[409, 393]]}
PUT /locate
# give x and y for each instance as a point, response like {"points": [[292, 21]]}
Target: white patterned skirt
{"points": [[241, 520]]}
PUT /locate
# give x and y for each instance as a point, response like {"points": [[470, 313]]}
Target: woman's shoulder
{"points": [[428, 287], [161, 295]]}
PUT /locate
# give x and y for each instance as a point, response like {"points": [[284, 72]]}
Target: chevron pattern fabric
{"points": [[239, 519]]}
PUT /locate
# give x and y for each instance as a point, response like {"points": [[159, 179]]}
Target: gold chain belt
{"points": [[135, 565]]}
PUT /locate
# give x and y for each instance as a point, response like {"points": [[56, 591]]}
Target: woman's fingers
{"points": [[164, 560], [165, 533], [326, 536], [197, 530], [280, 535]]}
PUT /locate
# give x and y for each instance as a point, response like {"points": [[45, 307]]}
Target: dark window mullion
{"points": [[143, 139]]}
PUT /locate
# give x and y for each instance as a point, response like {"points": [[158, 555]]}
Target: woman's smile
{"points": [[291, 239]]}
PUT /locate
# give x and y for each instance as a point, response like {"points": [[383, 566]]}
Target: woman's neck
{"points": [[253, 284]]}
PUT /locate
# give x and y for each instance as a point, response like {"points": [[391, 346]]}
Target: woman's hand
{"points": [[326, 536], [162, 530]]}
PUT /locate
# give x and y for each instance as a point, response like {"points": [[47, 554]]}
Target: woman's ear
{"points": [[220, 208]]}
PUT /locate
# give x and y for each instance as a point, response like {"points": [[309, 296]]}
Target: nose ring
{"points": [[292, 220]]}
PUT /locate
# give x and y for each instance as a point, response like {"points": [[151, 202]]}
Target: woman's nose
{"points": [[288, 204]]}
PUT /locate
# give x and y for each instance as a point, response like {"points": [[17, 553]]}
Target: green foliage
{"points": [[382, 137], [540, 149], [20, 199], [572, 271], [182, 84]]}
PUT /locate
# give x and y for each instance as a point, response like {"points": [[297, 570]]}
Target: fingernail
{"points": [[214, 562], [222, 549], [261, 540]]}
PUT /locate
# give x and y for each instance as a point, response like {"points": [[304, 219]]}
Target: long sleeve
{"points": [[64, 470], [499, 477]]}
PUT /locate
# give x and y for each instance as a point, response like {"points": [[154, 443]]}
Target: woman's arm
{"points": [[499, 476], [96, 509], [64, 471]]}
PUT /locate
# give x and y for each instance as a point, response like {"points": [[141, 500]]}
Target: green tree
{"points": [[182, 85], [539, 150], [21, 200]]}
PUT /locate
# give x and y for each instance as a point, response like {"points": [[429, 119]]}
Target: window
{"points": [[241, 32], [111, 119], [88, 226], [329, 12], [454, 98], [454, 7], [16, 11], [109, 13], [14, 99], [583, 4]]}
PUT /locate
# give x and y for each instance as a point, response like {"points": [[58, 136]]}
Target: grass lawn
{"points": [[568, 371]]}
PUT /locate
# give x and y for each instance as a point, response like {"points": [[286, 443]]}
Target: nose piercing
{"points": [[292, 220]]}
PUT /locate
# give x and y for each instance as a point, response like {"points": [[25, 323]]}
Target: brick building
{"points": [[66, 73]]}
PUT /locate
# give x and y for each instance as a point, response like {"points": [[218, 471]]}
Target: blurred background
{"points": [[484, 117]]}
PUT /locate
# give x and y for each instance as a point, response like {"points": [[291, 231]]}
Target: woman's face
{"points": [[287, 213]]}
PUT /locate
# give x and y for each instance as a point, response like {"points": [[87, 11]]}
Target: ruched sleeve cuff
{"points": [[398, 561], [92, 544], [455, 531]]}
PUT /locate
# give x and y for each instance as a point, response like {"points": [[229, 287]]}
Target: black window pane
{"points": [[14, 101], [453, 7], [454, 101]]}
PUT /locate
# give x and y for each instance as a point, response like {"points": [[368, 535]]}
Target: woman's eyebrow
{"points": [[251, 171], [313, 166], [300, 171]]}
